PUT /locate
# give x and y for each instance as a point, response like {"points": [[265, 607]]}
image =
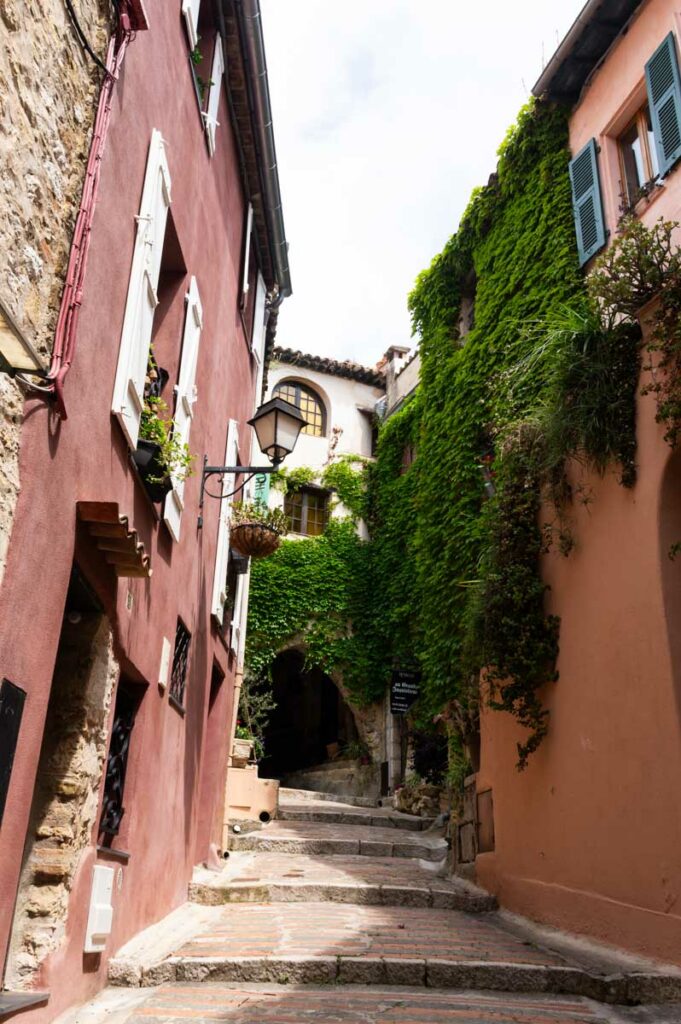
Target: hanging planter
{"points": [[156, 479], [256, 530]]}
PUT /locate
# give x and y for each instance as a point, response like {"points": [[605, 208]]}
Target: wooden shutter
{"points": [[238, 616], [664, 98], [133, 356], [185, 399], [587, 206], [211, 116], [222, 552], [258, 335], [247, 253], [190, 9]]}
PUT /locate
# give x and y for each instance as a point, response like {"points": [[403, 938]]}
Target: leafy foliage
{"points": [[157, 427]]}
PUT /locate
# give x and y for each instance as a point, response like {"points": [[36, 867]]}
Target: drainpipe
{"points": [[249, 23]]}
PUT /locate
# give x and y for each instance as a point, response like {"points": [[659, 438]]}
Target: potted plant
{"points": [[160, 456], [242, 749], [256, 529]]}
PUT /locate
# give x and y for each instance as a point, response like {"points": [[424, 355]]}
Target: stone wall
{"points": [[48, 93], [66, 798]]}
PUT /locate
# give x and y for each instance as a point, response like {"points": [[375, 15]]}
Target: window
{"points": [[638, 158], [307, 511], [308, 403], [178, 675], [128, 698]]}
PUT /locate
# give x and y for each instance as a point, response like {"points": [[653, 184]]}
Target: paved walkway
{"points": [[340, 915]]}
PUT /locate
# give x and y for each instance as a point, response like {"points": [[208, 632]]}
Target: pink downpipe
{"points": [[69, 310]]}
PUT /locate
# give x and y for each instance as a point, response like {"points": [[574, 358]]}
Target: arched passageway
{"points": [[309, 719]]}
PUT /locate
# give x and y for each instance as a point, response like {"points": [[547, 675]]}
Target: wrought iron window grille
{"points": [[178, 675], [113, 810]]}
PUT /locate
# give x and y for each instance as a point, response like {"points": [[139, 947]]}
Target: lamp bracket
{"points": [[209, 471]]}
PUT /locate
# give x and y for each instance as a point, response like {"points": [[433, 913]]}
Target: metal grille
{"points": [[117, 761], [308, 403], [178, 676]]}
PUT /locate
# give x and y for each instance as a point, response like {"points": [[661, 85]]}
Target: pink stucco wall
{"points": [[588, 837], [85, 458]]}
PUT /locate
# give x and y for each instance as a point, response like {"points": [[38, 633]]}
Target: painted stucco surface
{"points": [[86, 459], [588, 837]]}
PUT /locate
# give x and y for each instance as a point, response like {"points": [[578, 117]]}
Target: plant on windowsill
{"points": [[160, 457], [256, 530]]}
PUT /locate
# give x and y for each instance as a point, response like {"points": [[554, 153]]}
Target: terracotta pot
{"points": [[242, 752], [254, 540]]}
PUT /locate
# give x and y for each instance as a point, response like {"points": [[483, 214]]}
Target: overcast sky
{"points": [[387, 114]]}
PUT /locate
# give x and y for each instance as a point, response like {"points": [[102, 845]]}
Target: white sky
{"points": [[387, 113]]}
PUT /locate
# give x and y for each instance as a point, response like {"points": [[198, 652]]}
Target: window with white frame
{"points": [[210, 115]]}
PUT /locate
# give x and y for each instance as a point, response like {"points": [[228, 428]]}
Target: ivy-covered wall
{"points": [[455, 500]]}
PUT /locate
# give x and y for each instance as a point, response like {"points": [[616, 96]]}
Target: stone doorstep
{"points": [[468, 975], [320, 892], [352, 847], [408, 823]]}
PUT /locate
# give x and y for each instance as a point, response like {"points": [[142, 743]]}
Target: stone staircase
{"points": [[340, 778], [348, 902]]}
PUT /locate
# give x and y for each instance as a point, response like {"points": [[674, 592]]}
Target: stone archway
{"points": [[312, 722]]}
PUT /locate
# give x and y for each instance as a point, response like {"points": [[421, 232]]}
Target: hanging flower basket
{"points": [[256, 529], [254, 540]]}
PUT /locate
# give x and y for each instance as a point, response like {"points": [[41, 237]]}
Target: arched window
{"points": [[309, 403]]}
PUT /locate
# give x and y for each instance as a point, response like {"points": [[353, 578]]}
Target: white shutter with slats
{"points": [[258, 336], [238, 615], [190, 9], [222, 552], [247, 253], [210, 117], [186, 397], [133, 356]]}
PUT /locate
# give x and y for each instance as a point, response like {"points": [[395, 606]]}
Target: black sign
{"points": [[11, 709], [404, 689]]}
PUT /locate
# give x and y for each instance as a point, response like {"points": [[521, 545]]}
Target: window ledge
{"points": [[120, 855], [176, 704]]}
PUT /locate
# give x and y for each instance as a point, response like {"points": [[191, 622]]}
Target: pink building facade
{"points": [[121, 622], [588, 837]]}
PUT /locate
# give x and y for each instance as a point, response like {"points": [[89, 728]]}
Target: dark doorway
{"points": [[311, 721]]}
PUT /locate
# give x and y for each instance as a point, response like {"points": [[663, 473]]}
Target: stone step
{"points": [[340, 764], [289, 794], [331, 944], [358, 1004], [313, 837], [375, 817], [291, 878]]}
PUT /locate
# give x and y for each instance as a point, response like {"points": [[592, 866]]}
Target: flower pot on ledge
{"points": [[254, 540], [147, 459], [242, 752]]}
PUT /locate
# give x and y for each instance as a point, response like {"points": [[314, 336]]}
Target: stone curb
{"points": [[407, 824], [435, 973], [365, 895], [256, 842]]}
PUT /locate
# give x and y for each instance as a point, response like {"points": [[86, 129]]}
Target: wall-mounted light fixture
{"points": [[277, 425], [17, 355]]}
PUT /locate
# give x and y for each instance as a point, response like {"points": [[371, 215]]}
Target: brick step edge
{"points": [[407, 824], [631, 989], [321, 892], [256, 842]]}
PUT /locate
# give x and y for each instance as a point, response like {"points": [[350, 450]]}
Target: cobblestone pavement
{"points": [[281, 1005], [351, 921], [332, 930]]}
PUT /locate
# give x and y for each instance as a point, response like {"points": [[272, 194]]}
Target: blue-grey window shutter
{"points": [[586, 202], [664, 97]]}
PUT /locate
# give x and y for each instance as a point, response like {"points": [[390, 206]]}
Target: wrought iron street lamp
{"points": [[17, 355], [277, 425]]}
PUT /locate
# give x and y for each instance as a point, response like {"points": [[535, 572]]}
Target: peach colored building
{"points": [[589, 836]]}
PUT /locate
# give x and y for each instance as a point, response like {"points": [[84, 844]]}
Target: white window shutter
{"points": [[222, 552], [238, 632], [190, 9], [133, 356], [247, 253], [186, 397], [210, 117], [259, 334]]}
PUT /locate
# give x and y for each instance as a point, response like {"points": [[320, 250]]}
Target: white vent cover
{"points": [[100, 917]]}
